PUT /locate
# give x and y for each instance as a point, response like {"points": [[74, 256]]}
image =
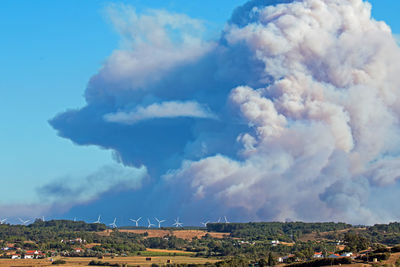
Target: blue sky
{"points": [[49, 50]]}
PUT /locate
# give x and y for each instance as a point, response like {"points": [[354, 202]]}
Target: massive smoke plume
{"points": [[292, 113]]}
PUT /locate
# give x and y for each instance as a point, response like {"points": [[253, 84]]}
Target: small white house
{"points": [[318, 255], [347, 254], [274, 243]]}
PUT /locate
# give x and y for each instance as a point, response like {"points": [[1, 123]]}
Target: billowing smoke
{"points": [[293, 113]]}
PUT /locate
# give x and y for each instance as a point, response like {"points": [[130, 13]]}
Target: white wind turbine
{"points": [[159, 222], [3, 221], [24, 222], [114, 225], [150, 224], [177, 223], [205, 223], [226, 220], [98, 219], [136, 221]]}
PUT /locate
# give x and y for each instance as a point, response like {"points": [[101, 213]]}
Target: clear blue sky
{"points": [[48, 52]]}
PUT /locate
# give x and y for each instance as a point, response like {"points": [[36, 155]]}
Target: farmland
{"points": [[183, 234], [84, 261], [293, 244]]}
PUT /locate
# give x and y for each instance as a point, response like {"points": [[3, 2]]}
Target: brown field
{"points": [[169, 251], [287, 244], [138, 261], [190, 234], [393, 258], [183, 234]]}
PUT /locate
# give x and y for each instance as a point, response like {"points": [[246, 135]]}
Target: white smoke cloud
{"points": [[307, 99], [162, 110], [152, 44], [335, 91]]}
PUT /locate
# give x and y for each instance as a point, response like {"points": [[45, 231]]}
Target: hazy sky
{"points": [[49, 50]]}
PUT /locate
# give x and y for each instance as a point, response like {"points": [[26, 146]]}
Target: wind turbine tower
{"points": [[177, 223], [24, 222], [226, 220], [136, 221], [150, 224], [159, 222], [98, 219], [205, 223], [114, 225]]}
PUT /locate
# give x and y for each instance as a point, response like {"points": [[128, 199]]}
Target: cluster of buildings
{"points": [[23, 254], [13, 252], [317, 255]]}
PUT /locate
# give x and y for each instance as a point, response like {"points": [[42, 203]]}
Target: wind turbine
{"points": [[150, 224], [24, 222], [159, 222], [177, 223], [136, 221], [226, 221], [98, 219], [3, 221], [205, 223], [114, 225]]}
